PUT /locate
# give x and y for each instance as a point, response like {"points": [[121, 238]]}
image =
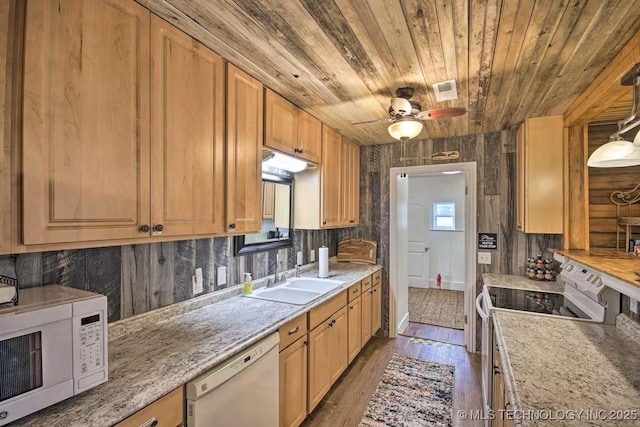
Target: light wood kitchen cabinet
{"points": [[7, 196], [291, 130], [166, 412], [350, 191], [187, 134], [328, 356], [244, 152], [330, 178], [268, 199], [354, 317], [500, 405], [367, 297], [293, 383], [85, 133], [376, 309], [540, 175]]}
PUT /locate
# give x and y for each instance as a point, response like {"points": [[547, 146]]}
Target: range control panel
{"points": [[584, 279]]}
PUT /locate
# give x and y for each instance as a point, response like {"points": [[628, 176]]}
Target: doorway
{"points": [[432, 231]]}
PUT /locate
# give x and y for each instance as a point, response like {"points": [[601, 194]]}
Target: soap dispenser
{"points": [[248, 285]]}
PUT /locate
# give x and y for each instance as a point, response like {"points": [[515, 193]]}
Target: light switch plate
{"points": [[222, 276], [299, 258], [312, 255], [484, 257]]}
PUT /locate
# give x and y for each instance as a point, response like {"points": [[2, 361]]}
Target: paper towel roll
{"points": [[323, 261]]}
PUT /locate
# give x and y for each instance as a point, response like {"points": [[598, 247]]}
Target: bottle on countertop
{"points": [[248, 284]]}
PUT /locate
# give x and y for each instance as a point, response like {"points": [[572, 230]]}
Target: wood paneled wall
{"points": [[496, 160], [602, 182], [140, 278]]}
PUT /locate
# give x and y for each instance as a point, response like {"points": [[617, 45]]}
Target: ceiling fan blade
{"points": [[440, 113], [387, 120]]}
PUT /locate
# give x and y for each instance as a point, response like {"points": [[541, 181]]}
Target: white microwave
{"points": [[53, 345]]}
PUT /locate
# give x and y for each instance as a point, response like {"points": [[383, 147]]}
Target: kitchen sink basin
{"points": [[312, 284], [288, 295]]}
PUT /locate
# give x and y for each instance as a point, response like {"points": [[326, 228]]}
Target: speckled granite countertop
{"points": [[556, 367], [520, 282], [152, 354]]}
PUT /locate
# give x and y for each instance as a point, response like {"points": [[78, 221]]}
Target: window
{"points": [[444, 215]]}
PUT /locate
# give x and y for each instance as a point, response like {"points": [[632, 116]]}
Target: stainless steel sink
{"points": [[297, 291], [312, 284]]}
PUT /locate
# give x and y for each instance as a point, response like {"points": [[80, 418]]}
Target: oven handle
{"points": [[479, 309]]}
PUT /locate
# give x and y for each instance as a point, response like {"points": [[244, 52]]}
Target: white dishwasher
{"points": [[242, 391]]}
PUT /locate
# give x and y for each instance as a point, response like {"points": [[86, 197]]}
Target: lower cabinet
{"points": [[354, 318], [168, 411], [500, 405], [293, 383]]}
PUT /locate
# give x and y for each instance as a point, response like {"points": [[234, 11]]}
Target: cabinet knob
{"points": [[158, 228], [296, 150], [144, 228], [301, 151], [350, 307], [352, 221], [232, 226], [324, 222]]}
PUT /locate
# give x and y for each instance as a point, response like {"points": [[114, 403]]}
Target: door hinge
{"points": [[466, 190]]}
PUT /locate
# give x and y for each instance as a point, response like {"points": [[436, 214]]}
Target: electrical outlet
{"points": [[484, 257], [197, 282], [312, 255], [299, 258], [222, 276]]}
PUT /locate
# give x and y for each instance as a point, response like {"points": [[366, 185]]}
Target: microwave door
{"points": [[20, 365]]}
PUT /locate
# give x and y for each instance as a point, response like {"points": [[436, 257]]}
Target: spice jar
{"points": [[531, 273], [531, 262], [548, 274], [540, 274]]}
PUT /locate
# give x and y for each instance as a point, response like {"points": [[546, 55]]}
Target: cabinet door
{"points": [[86, 120], [350, 176], [7, 29], [366, 315], [281, 129], [376, 309], [309, 137], [319, 364], [354, 168], [330, 178], [167, 411], [187, 134], [339, 344], [268, 199], [293, 383], [520, 178], [354, 317], [244, 152]]}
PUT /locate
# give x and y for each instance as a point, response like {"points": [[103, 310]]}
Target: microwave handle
{"points": [[479, 309]]}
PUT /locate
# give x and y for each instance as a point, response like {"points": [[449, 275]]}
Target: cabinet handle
{"points": [[294, 330], [305, 343], [144, 228], [151, 422], [355, 291], [352, 221], [301, 151], [324, 222], [350, 307], [371, 291], [232, 226], [158, 228]]}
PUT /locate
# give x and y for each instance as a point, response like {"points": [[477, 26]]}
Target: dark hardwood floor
{"points": [[436, 333], [347, 400]]}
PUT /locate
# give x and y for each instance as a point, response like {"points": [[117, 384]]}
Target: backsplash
{"points": [[140, 278]]}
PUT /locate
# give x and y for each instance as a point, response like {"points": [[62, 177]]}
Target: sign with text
{"points": [[488, 241]]}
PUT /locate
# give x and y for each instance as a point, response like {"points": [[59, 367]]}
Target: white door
{"points": [[417, 258]]}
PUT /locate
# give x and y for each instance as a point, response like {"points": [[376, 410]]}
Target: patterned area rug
{"points": [[412, 392], [440, 307]]}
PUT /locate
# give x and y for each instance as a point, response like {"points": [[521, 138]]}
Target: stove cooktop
{"points": [[539, 302]]}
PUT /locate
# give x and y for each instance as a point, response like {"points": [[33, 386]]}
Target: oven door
{"points": [[486, 353], [35, 361]]}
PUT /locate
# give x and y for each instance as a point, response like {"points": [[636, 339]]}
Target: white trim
{"points": [[404, 324], [471, 212]]}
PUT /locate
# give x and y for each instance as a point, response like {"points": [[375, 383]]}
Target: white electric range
{"points": [[586, 297]]}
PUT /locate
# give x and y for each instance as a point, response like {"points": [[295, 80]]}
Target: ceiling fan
{"points": [[404, 115]]}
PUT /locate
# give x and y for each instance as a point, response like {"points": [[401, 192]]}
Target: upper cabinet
{"points": [[86, 121], [244, 152], [187, 134], [331, 193], [291, 130], [539, 175]]}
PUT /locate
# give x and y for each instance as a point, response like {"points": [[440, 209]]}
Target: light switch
{"points": [[197, 282], [222, 276], [299, 258], [312, 255], [484, 257]]}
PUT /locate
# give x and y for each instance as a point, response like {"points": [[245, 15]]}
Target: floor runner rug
{"points": [[412, 392], [440, 307]]}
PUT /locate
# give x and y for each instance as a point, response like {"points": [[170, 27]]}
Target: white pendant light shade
{"points": [[282, 161], [405, 129], [615, 154]]}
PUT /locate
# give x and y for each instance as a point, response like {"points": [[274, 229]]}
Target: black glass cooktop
{"points": [[550, 303]]}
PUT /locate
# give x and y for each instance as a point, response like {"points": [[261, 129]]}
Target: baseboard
{"points": [[451, 286], [403, 324]]}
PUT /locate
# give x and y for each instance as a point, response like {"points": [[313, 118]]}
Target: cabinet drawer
{"points": [[354, 291], [377, 277], [292, 330], [366, 283], [324, 311], [167, 411]]}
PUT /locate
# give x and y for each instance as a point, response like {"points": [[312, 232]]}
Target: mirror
{"points": [[277, 203]]}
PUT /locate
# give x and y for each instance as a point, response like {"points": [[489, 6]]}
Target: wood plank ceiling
{"points": [[342, 60]]}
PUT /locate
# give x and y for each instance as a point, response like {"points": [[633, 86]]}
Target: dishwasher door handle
{"points": [[479, 309]]}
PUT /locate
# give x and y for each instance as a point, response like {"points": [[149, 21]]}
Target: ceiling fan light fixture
{"points": [[405, 129]]}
